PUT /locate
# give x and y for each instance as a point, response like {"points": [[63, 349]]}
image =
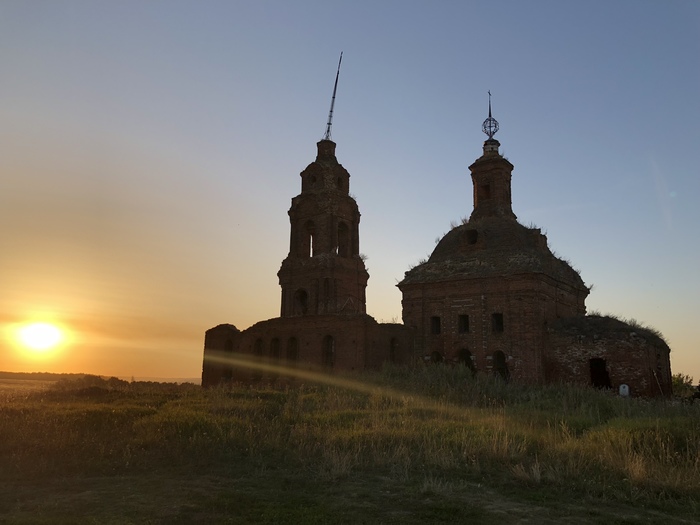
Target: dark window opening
{"points": [[228, 346], [472, 236], [393, 349], [343, 240], [339, 183], [485, 191], [500, 367], [328, 352], [599, 373], [435, 327], [292, 351], [465, 358], [436, 357], [497, 323], [463, 324], [307, 244], [301, 302], [275, 348]]}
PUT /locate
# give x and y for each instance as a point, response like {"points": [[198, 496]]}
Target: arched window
{"points": [[328, 352], [343, 240], [393, 350], [292, 351], [465, 358], [275, 348], [306, 246], [500, 367], [301, 302]]}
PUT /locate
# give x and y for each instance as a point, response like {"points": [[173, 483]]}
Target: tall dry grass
{"points": [[438, 427]]}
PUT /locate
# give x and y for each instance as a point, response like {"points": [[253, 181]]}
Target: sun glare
{"points": [[40, 337]]}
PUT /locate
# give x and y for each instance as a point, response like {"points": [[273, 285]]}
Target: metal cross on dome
{"points": [[490, 125]]}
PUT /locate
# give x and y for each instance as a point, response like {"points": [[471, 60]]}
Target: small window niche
{"points": [[463, 324], [435, 327], [497, 323], [472, 236], [485, 191]]}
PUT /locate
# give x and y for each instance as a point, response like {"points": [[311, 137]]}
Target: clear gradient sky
{"points": [[149, 152]]}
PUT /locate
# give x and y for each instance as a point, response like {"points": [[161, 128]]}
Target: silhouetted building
{"points": [[492, 297]]}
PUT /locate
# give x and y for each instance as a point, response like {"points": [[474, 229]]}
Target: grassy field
{"points": [[423, 445]]}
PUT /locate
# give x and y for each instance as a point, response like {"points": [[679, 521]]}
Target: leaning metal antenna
{"points": [[327, 136]]}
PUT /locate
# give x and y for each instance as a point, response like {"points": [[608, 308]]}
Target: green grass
{"points": [[423, 445]]}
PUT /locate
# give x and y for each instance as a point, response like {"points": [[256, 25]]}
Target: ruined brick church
{"points": [[491, 297]]}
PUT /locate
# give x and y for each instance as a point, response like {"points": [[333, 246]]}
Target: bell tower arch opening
{"points": [[343, 240], [301, 302]]}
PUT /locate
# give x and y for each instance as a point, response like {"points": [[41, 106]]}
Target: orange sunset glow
{"points": [[150, 153]]}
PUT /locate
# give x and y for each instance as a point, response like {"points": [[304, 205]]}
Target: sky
{"points": [[149, 152]]}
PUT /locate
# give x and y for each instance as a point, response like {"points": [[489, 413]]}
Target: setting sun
{"points": [[40, 336]]}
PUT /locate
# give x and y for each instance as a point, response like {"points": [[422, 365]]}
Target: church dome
{"points": [[492, 247]]}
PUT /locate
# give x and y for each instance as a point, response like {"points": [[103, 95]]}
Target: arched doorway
{"points": [[599, 373], [465, 358], [500, 367]]}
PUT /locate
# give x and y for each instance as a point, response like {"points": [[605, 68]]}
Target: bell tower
{"points": [[491, 177], [323, 272]]}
